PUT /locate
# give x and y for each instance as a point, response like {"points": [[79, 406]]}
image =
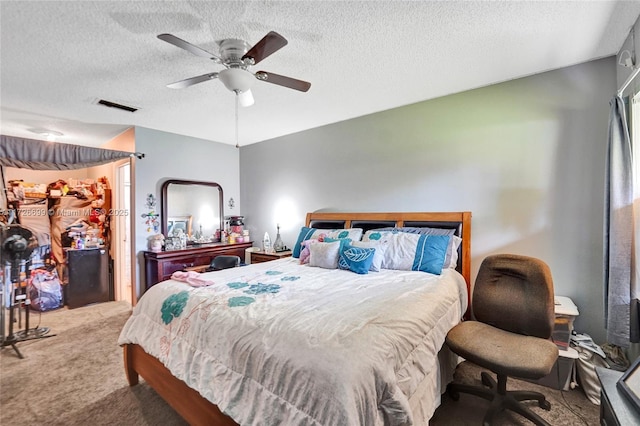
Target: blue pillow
{"points": [[431, 251], [356, 259]]}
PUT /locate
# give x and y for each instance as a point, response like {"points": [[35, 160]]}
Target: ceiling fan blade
{"points": [[281, 80], [170, 38], [269, 44], [193, 80]]}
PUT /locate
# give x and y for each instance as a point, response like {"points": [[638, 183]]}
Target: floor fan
{"points": [[16, 245]]}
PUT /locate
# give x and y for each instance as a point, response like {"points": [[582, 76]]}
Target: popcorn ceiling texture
{"points": [[59, 58]]}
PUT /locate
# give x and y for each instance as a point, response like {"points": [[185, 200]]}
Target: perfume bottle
{"points": [[266, 243], [278, 245]]}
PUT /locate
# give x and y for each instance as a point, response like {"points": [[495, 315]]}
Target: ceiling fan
{"points": [[237, 56]]}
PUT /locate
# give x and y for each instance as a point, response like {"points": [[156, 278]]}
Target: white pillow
{"points": [[306, 233], [354, 234], [412, 252], [451, 258], [324, 255], [378, 257], [451, 255]]}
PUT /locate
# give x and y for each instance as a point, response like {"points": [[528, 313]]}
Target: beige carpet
{"points": [[567, 407], [77, 377]]}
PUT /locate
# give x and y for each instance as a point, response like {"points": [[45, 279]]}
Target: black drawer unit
{"points": [[87, 277]]}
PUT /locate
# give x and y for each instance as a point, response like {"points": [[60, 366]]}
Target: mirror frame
{"points": [[164, 193]]}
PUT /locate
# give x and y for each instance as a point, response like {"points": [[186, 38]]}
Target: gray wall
{"points": [[172, 156], [526, 157]]}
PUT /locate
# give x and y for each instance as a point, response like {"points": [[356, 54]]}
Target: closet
{"points": [[70, 222], [56, 195]]}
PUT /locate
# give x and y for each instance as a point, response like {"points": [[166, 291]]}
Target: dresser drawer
{"points": [[159, 266], [259, 258], [173, 265]]}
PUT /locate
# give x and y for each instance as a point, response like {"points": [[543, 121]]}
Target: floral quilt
{"points": [[284, 343]]}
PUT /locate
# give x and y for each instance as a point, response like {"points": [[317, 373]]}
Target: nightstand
{"points": [[260, 256], [615, 408]]}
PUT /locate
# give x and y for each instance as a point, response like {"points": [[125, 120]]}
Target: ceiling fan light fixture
{"points": [[245, 98], [236, 79]]}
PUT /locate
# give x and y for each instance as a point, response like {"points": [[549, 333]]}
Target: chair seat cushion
{"points": [[501, 351]]}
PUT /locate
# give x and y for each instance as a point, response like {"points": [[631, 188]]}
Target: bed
{"points": [[284, 343]]}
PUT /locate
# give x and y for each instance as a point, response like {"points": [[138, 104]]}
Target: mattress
{"points": [[284, 343]]}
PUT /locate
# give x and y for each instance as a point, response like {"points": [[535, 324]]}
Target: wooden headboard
{"points": [[459, 221]]}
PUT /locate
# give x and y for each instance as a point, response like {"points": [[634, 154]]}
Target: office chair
{"points": [[509, 334], [223, 262]]}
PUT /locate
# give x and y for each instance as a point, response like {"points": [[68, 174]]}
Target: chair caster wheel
{"points": [[545, 405]]}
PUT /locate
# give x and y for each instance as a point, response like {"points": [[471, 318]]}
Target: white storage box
{"points": [[566, 313], [563, 372]]}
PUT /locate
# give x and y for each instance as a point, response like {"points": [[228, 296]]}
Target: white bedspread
{"points": [[283, 343]]}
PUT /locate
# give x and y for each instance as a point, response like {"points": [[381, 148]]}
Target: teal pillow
{"points": [[430, 253], [356, 259]]}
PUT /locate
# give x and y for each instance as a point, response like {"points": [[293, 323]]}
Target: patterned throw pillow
{"points": [[356, 259], [378, 257], [342, 241], [307, 233]]}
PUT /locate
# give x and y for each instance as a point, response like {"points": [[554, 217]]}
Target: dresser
{"points": [[160, 265]]}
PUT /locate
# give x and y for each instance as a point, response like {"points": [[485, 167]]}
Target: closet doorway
{"points": [[122, 263]]}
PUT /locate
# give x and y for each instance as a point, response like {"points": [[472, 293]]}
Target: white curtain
{"points": [[619, 273]]}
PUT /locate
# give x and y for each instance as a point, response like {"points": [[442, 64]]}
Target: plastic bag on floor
{"points": [[590, 356], [44, 290]]}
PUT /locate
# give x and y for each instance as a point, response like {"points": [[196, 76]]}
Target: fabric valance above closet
{"points": [[40, 155]]}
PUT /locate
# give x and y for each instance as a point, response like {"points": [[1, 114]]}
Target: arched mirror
{"points": [[196, 207]]}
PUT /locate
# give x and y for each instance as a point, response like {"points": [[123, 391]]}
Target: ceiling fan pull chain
{"points": [[237, 144]]}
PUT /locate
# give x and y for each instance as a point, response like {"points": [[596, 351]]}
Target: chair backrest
{"points": [[515, 293], [224, 262]]}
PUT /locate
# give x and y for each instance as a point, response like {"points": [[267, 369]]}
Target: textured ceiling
{"points": [[59, 58]]}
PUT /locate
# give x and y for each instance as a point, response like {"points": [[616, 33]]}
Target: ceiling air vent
{"points": [[118, 106]]}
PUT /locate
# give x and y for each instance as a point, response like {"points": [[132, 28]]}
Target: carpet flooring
{"points": [[76, 377]]}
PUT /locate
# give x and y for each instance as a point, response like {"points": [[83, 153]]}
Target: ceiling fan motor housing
{"points": [[232, 50]]}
